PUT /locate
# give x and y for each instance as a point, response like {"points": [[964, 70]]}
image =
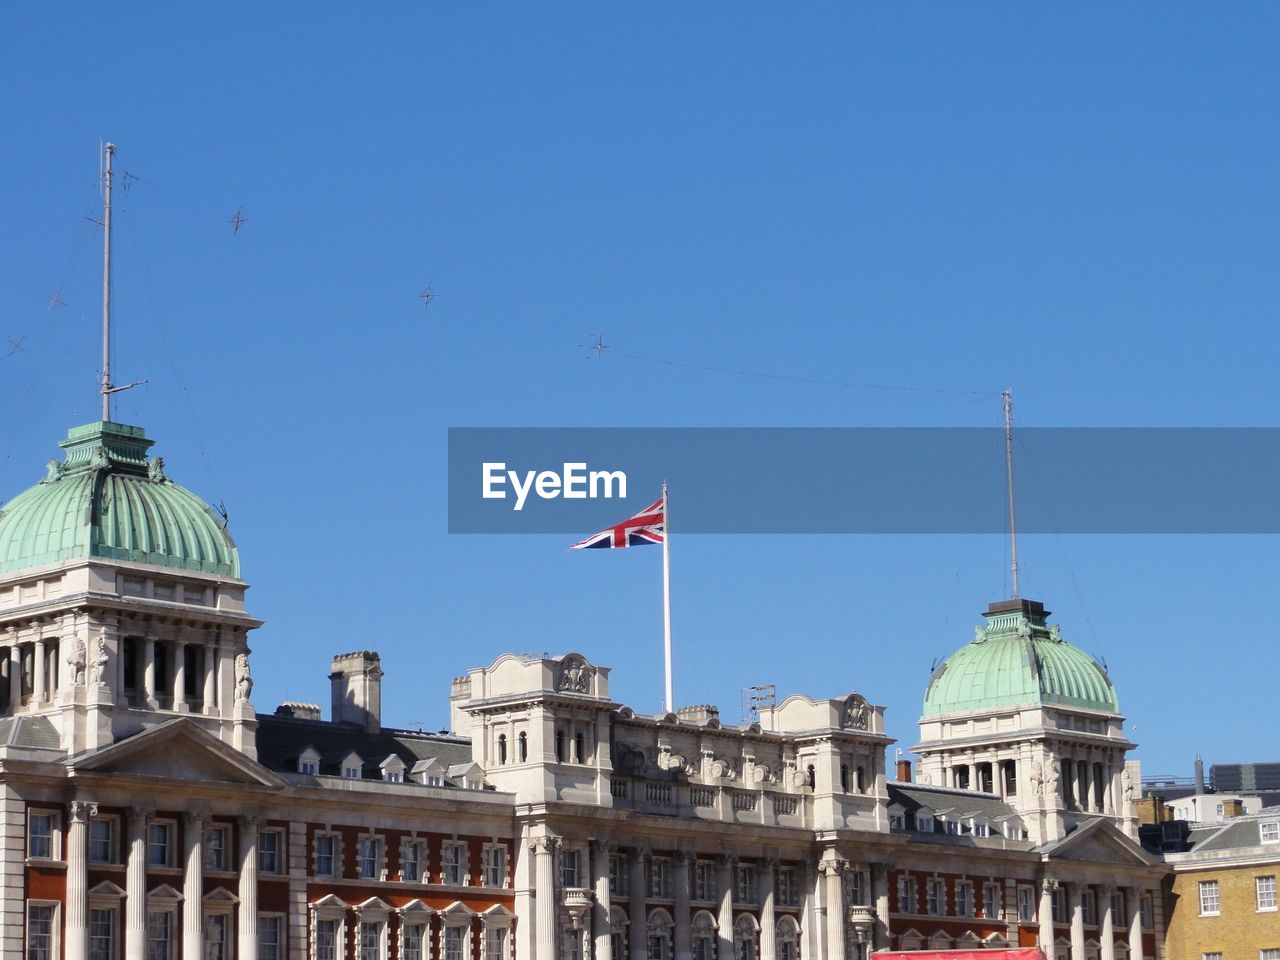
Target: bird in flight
{"points": [[55, 299], [17, 345], [596, 350], [237, 220]]}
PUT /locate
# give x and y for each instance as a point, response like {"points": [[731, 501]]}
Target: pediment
{"points": [[220, 895], [415, 906], [177, 749], [1099, 842], [106, 889], [164, 893]]}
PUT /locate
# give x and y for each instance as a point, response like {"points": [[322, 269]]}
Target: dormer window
{"points": [[924, 821], [981, 828], [1269, 831], [350, 772], [309, 762]]}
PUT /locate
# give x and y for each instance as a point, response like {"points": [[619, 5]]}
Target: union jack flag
{"points": [[647, 526]]}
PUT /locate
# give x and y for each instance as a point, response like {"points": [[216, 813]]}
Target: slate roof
{"points": [[282, 739], [960, 803], [36, 732]]}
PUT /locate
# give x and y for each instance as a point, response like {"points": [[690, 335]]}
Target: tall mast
{"points": [[1008, 471], [106, 283]]}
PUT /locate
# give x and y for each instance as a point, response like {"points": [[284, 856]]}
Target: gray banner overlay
{"points": [[876, 480]]}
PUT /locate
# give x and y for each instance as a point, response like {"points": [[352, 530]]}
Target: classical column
{"points": [[726, 867], [179, 675], [15, 677], [544, 873], [637, 937], [601, 922], [683, 933], [768, 928], [1045, 917], [1108, 931], [135, 904], [149, 671], [880, 891], [1133, 896], [210, 664], [833, 898], [77, 855], [193, 887], [247, 911], [1075, 898], [38, 692]]}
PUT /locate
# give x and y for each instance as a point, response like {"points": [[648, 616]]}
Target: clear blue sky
{"points": [[1078, 202]]}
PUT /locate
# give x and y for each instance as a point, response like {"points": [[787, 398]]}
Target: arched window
{"points": [[579, 748], [745, 930], [704, 936], [788, 939], [502, 748], [811, 776], [844, 777], [659, 945], [618, 932], [860, 780], [522, 747], [559, 746]]}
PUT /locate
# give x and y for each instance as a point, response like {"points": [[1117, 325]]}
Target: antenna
{"points": [[107, 387], [1008, 470]]}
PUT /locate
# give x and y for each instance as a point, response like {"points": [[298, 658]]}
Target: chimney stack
{"points": [[904, 771], [356, 684], [1199, 775], [1232, 808]]}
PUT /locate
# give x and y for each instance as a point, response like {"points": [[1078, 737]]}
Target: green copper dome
{"points": [[1015, 660], [108, 499]]}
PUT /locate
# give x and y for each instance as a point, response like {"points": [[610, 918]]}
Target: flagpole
{"points": [[666, 595]]}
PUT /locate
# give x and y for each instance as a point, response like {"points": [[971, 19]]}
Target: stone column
{"points": [[210, 665], [15, 677], [726, 867], [149, 671], [1134, 897], [77, 854], [601, 922], [135, 904], [1107, 927], [1075, 898], [1045, 916], [832, 870], [180, 675], [682, 944], [880, 895], [193, 887], [247, 911], [544, 872], [768, 927], [637, 936], [38, 692]]}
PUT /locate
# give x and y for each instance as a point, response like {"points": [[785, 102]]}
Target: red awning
{"points": [[1018, 953]]}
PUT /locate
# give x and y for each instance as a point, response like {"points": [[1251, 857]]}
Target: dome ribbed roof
{"points": [[108, 499], [1018, 660]]}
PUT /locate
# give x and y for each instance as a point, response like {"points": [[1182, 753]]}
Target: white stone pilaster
{"points": [[601, 925], [726, 867], [135, 904], [543, 849], [247, 910], [77, 854], [193, 887], [768, 925]]}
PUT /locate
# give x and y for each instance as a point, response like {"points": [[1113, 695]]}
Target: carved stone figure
{"points": [[574, 676], [1037, 779], [979, 633], [98, 668], [53, 471], [1054, 778], [75, 659], [1024, 628], [244, 679], [1126, 787], [857, 713], [155, 470], [1055, 633]]}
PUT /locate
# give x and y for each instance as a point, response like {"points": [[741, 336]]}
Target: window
{"points": [[1271, 953], [1089, 907], [308, 766], [560, 746], [1026, 904], [270, 846], [897, 821], [746, 883], [907, 895], [1266, 888], [659, 878], [40, 927], [368, 855], [991, 901], [579, 748], [1211, 956], [787, 892], [452, 858], [522, 747], [1269, 831], [326, 943], [964, 898], [216, 855], [41, 835], [495, 943], [370, 942], [217, 940], [1060, 905], [495, 866], [502, 748], [704, 880], [102, 840], [981, 828], [326, 855], [937, 892], [351, 771], [412, 856], [618, 885], [271, 938], [160, 935], [102, 933], [854, 889], [1118, 914], [454, 946], [159, 844], [569, 872], [1144, 908], [411, 936], [924, 822], [1209, 903]]}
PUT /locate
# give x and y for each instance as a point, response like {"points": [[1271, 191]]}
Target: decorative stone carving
{"points": [[155, 470], [76, 658], [98, 668], [1055, 633], [1126, 787], [1051, 784], [244, 679], [575, 675], [631, 761], [1037, 779], [979, 633], [53, 471], [857, 713], [672, 761]]}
